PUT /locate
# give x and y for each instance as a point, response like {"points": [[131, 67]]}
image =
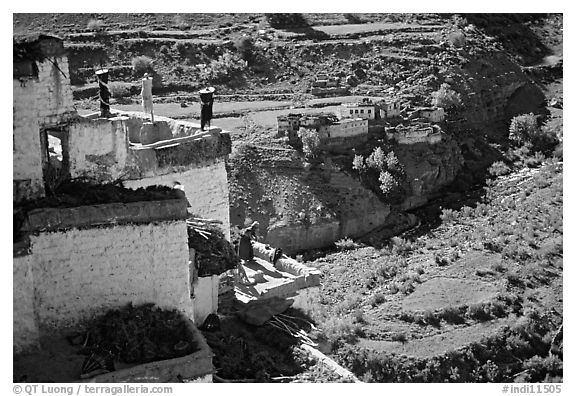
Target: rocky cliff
{"points": [[301, 206], [429, 168]]}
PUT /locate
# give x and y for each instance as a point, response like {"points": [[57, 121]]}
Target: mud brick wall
{"points": [[25, 328], [98, 149], [27, 168], [39, 101], [72, 275], [206, 189], [294, 238], [54, 93]]}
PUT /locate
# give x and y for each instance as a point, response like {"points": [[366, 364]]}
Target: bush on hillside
{"points": [[457, 39], [120, 89], [353, 18], [224, 69], [524, 130], [499, 168], [286, 20], [446, 97], [245, 48], [142, 64], [95, 25]]}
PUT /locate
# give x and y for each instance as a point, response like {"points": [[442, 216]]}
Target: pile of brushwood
{"points": [[214, 254], [80, 193], [138, 334], [247, 353]]}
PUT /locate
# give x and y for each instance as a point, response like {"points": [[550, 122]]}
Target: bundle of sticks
{"points": [[202, 226], [288, 325]]}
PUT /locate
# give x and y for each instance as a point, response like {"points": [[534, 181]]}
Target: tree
{"points": [[142, 64], [358, 162], [446, 97], [381, 172], [524, 130], [387, 182], [310, 142], [286, 20], [392, 161], [377, 160], [245, 48]]}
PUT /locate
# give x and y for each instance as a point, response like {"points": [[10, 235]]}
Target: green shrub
{"points": [[286, 20], [224, 69], [392, 162], [407, 287], [430, 318], [120, 89], [376, 299], [377, 159], [346, 244], [245, 48], [341, 328], [478, 312], [448, 216], [181, 22], [498, 267], [387, 182], [95, 25], [399, 336], [543, 369], [499, 168], [358, 162], [452, 315], [142, 64], [393, 288], [440, 260], [358, 316], [457, 39], [353, 18], [351, 302], [524, 130], [401, 246], [406, 317], [165, 50], [497, 309]]}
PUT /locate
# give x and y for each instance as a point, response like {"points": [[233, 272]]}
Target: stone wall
{"points": [[73, 274]]}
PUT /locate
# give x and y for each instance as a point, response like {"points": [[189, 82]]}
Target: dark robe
{"points": [[206, 101], [245, 250]]}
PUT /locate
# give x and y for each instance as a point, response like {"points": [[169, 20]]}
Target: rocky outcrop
{"points": [[429, 167], [300, 207], [494, 89]]}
